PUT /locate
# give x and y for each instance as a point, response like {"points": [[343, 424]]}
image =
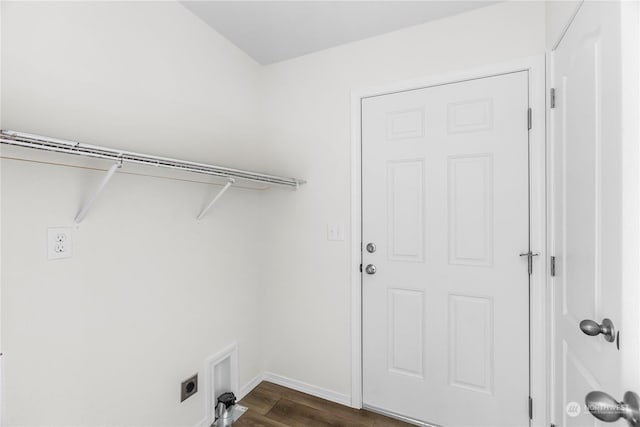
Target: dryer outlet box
{"points": [[188, 388]]}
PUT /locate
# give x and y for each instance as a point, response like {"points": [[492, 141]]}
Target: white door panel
{"points": [[445, 200], [587, 191]]}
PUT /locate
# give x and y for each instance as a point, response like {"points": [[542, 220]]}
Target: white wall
{"points": [[106, 337], [307, 109], [558, 15]]}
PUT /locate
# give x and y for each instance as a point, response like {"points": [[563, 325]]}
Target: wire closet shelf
{"points": [[77, 148]]}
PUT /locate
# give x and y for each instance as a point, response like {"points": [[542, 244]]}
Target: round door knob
{"points": [[370, 269], [607, 409], [371, 247], [591, 328]]}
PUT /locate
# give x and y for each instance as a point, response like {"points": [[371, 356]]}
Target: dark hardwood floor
{"points": [[271, 405]]}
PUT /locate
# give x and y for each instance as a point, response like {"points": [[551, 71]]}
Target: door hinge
{"points": [[530, 256], [529, 119], [530, 408], [552, 97], [553, 266]]}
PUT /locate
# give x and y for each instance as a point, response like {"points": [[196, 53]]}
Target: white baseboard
{"points": [[246, 389], [323, 393]]}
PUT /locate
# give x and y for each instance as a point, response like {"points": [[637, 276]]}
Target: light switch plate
{"points": [[59, 242], [335, 232]]}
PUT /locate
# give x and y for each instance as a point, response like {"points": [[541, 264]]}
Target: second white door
{"points": [[446, 211]]}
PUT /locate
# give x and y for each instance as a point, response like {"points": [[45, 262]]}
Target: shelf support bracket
{"points": [[215, 199], [91, 200]]}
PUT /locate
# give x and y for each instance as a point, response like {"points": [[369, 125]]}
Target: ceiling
{"points": [[273, 31]]}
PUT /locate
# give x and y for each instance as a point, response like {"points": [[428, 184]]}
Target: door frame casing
{"points": [[539, 372]]}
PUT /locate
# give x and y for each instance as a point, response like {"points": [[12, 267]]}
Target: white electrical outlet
{"points": [[59, 242]]}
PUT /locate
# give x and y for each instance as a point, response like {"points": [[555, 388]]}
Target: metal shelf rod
{"points": [[70, 147]]}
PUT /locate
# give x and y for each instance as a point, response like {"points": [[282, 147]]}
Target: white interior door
{"points": [[588, 195], [445, 202]]}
